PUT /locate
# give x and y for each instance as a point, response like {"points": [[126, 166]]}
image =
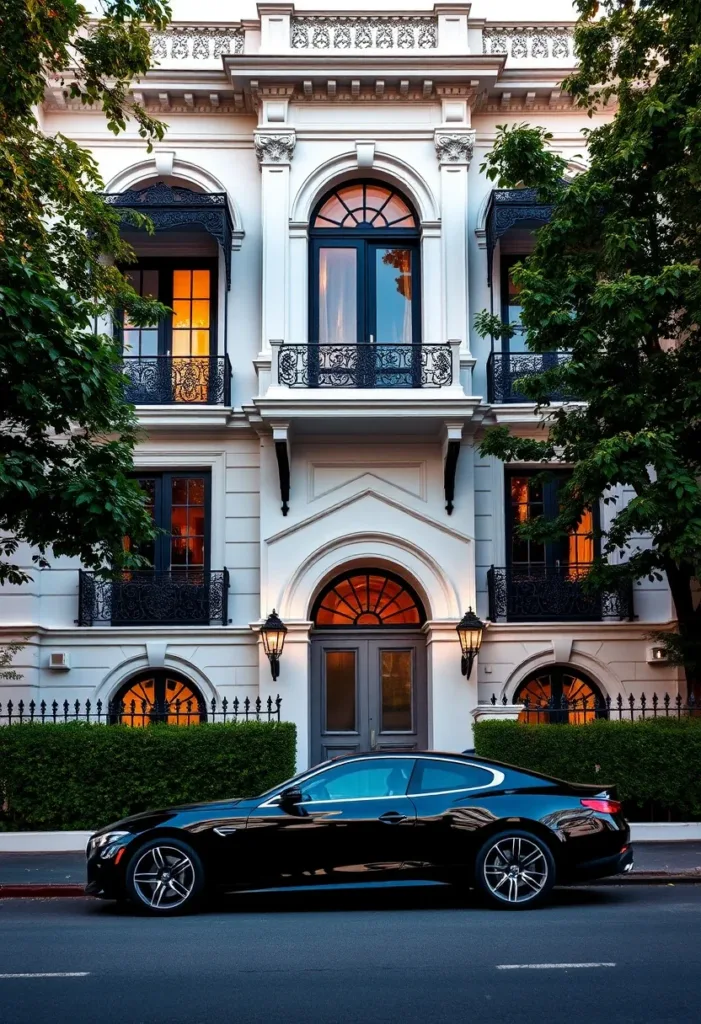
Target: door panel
{"points": [[368, 694]]}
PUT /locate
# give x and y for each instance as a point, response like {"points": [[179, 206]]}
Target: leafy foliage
{"points": [[7, 654], [80, 776], [66, 437], [615, 279], [652, 762]]}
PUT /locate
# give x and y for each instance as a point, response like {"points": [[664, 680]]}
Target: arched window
{"points": [[368, 599], [560, 694], [158, 696], [364, 269]]}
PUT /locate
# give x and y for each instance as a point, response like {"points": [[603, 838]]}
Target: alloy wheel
{"points": [[515, 870], [164, 877]]}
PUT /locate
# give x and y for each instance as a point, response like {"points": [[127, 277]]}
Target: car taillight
{"points": [[603, 806]]}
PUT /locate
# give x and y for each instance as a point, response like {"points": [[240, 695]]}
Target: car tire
{"points": [[515, 870], [165, 877]]}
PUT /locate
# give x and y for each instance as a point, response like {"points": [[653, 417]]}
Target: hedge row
{"points": [[81, 776], [654, 763]]}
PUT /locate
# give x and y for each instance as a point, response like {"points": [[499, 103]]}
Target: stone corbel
{"points": [[451, 452], [274, 147], [454, 147], [281, 440]]}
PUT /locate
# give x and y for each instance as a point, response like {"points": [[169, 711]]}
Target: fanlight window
{"points": [[158, 697], [560, 695], [364, 205], [368, 599]]}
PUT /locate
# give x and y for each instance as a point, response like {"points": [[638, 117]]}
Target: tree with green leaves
{"points": [[66, 435], [615, 280]]}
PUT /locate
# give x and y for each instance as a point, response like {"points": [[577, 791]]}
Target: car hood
{"points": [[149, 819]]}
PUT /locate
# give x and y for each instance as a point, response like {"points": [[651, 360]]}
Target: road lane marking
{"points": [[546, 967], [50, 974]]}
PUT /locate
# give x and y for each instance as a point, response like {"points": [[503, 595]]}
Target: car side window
{"points": [[360, 780], [442, 776]]}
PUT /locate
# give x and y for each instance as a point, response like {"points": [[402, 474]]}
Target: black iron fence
{"points": [[552, 594], [365, 366], [618, 708], [177, 380], [142, 712], [505, 368], [187, 597]]}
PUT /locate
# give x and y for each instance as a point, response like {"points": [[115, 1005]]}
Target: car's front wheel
{"points": [[165, 876], [515, 870]]}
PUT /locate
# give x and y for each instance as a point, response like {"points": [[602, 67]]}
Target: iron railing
{"points": [[141, 712], [564, 709], [365, 366], [505, 368], [147, 596], [177, 380], [552, 594]]}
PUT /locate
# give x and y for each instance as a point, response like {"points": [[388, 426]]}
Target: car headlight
{"points": [[104, 843]]}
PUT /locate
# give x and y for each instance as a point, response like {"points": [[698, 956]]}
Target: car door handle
{"points": [[392, 817]]}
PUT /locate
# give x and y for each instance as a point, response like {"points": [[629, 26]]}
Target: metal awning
{"points": [[173, 206], [508, 207]]}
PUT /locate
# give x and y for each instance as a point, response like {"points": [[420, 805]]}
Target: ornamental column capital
{"points": [[454, 147], [274, 147]]}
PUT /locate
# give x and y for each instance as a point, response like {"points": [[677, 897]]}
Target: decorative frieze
{"points": [[530, 42], [195, 44], [338, 33], [454, 147], [274, 147]]}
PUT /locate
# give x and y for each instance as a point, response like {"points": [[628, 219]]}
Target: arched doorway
{"points": [[560, 693], [157, 696], [368, 683]]}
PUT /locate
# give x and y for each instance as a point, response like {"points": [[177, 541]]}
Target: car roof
{"points": [[452, 754]]}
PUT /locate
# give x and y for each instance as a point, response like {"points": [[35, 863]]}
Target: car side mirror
{"points": [[290, 797]]}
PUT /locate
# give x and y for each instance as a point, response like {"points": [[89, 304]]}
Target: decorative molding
{"points": [[197, 43], [274, 147], [371, 33], [454, 147], [530, 42]]}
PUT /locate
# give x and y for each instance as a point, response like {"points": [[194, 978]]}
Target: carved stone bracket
{"points": [[454, 147], [274, 147]]}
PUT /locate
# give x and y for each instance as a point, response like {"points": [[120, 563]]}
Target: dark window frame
{"points": [[166, 265], [163, 515]]}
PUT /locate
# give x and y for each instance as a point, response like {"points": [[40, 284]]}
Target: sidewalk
{"points": [[47, 874]]}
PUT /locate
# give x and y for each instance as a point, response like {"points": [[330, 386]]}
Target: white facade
{"points": [[274, 106]]}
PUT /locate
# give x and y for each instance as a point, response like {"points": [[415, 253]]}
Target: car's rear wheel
{"points": [[165, 876], [515, 870]]}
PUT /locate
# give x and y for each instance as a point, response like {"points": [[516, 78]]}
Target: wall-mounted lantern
{"points": [[470, 630], [273, 632]]}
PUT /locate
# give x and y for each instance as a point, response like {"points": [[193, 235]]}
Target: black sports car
{"points": [[363, 818]]}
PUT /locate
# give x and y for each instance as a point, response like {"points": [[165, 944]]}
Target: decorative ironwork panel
{"points": [[365, 366], [618, 707], [196, 43], [551, 594], [340, 33], [176, 380], [178, 596], [508, 207], [171, 206], [133, 712], [504, 369], [537, 42]]}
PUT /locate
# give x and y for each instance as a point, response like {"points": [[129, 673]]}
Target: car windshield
{"points": [[294, 779]]}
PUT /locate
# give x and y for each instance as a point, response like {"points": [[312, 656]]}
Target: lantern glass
{"points": [[273, 632], [470, 633]]}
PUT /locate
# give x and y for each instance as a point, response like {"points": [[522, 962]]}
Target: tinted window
{"points": [[359, 779], [438, 776]]}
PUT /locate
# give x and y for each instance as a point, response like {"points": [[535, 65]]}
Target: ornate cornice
{"points": [[274, 147], [454, 147]]}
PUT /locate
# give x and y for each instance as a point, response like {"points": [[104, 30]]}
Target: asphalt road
{"points": [[391, 956]]}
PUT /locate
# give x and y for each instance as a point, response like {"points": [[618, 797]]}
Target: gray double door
{"points": [[368, 692]]}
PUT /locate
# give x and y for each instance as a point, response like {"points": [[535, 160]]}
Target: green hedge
{"points": [[80, 776], [656, 764]]}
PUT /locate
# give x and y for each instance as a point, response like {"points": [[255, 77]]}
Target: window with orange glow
{"points": [[561, 695], [368, 599], [159, 697]]}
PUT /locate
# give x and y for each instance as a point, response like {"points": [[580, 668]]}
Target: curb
{"points": [[644, 878], [33, 890]]}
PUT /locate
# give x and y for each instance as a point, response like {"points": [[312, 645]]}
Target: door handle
{"points": [[392, 817], [373, 744]]}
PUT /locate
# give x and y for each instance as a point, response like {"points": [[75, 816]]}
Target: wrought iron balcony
{"points": [[552, 594], [365, 366], [187, 597], [504, 369], [178, 380]]}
